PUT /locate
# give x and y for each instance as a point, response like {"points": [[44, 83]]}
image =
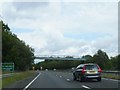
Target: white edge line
{"points": [[85, 87], [110, 79], [32, 81]]}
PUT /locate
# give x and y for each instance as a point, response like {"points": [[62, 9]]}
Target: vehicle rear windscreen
{"points": [[91, 67]]}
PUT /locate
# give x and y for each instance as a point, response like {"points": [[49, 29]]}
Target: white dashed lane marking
{"points": [[110, 79], [85, 87], [68, 79]]}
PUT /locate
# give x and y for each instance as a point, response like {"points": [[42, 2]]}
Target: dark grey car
{"points": [[87, 71]]}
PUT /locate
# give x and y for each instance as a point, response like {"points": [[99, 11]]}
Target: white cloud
{"points": [[59, 0], [52, 22]]}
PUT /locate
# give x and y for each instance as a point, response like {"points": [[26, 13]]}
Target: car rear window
{"points": [[80, 67], [91, 67]]}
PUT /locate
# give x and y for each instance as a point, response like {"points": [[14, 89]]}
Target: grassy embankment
{"points": [[16, 77]]}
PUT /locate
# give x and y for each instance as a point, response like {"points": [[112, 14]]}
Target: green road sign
{"points": [[8, 66]]}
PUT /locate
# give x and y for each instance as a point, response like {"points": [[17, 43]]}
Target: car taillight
{"points": [[83, 70], [99, 69]]}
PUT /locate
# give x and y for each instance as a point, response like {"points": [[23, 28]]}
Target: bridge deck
{"points": [[58, 58]]}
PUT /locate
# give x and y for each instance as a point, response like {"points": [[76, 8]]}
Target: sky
{"points": [[64, 27]]}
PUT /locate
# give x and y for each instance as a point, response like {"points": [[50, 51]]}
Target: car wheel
{"points": [[74, 78], [81, 79], [99, 79]]}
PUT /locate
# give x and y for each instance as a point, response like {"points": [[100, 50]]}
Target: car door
{"points": [[79, 71]]}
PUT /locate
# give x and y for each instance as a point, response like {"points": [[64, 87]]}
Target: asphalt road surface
{"points": [[59, 79]]}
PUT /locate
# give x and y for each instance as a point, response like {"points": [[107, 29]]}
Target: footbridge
{"points": [[58, 57]]}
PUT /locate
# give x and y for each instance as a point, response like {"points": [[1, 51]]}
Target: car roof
{"points": [[89, 64], [85, 64]]}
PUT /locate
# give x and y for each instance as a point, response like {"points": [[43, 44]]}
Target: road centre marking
{"points": [[85, 87], [32, 81], [68, 79]]}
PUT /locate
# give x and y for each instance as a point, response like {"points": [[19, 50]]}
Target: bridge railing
{"points": [[57, 56]]}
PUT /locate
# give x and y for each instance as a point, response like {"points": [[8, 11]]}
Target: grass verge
{"points": [[6, 72], [0, 84], [16, 77]]}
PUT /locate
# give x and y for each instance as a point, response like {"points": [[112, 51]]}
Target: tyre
{"points": [[74, 78], [81, 79], [99, 79]]}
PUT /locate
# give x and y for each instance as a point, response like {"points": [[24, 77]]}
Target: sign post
{"points": [[8, 67], [41, 68], [33, 68]]}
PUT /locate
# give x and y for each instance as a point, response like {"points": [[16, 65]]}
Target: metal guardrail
{"points": [[103, 71], [6, 75], [111, 72]]}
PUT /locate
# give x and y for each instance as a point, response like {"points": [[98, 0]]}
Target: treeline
{"points": [[104, 61], [57, 64], [15, 50], [101, 58]]}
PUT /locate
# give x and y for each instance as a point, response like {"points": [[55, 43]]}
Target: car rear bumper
{"points": [[92, 77]]}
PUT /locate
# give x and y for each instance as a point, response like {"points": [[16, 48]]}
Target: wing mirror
{"points": [[73, 69]]}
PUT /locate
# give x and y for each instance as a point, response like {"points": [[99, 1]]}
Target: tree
{"points": [[102, 59], [69, 57], [88, 58], [15, 50], [115, 62]]}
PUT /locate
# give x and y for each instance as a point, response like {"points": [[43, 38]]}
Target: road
{"points": [[58, 79]]}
